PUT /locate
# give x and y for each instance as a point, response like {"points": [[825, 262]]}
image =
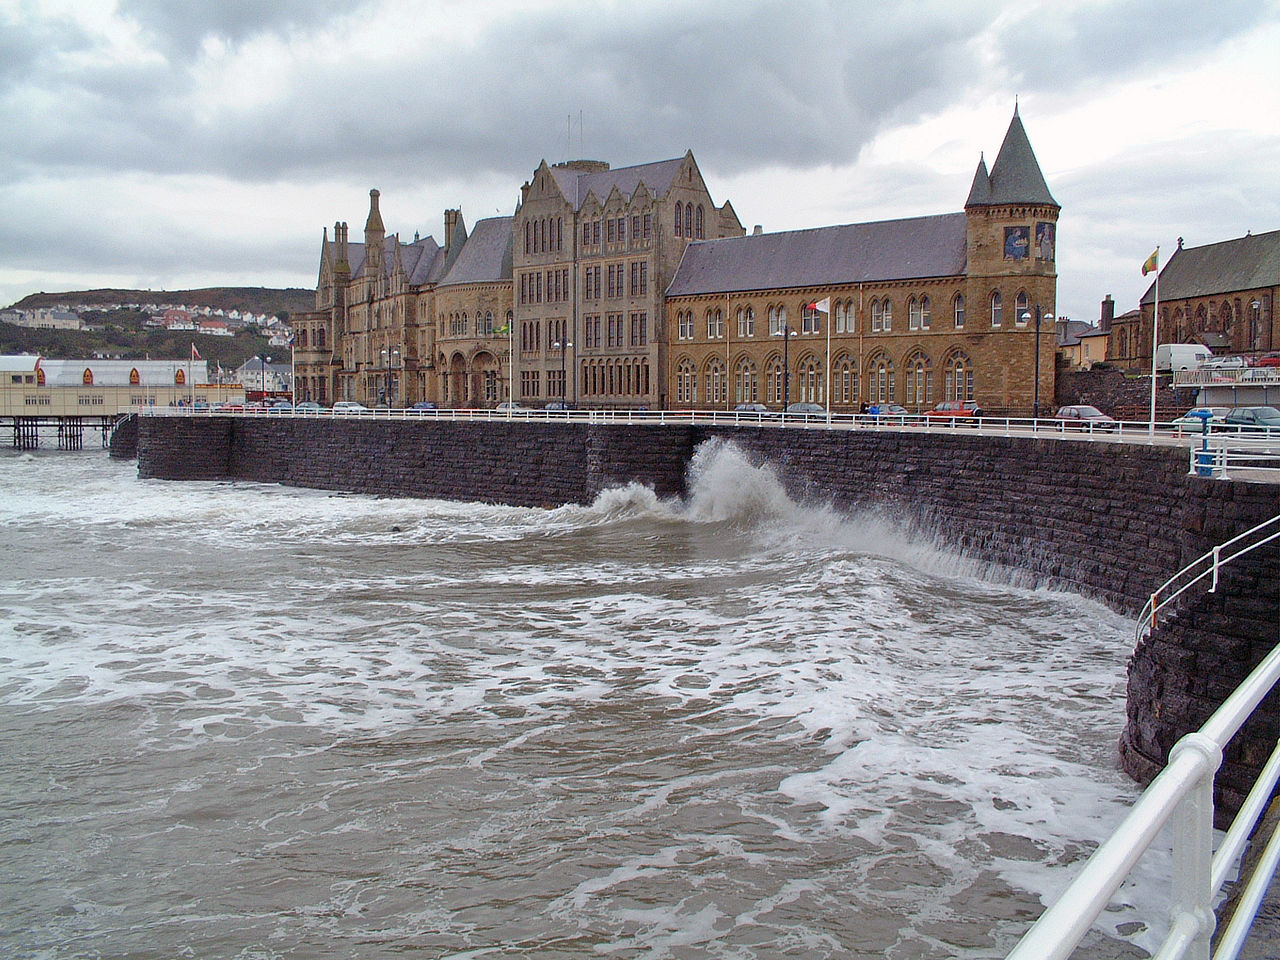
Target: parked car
{"points": [[1194, 418], [1270, 360], [308, 406], [1085, 417], [558, 406], [282, 407], [954, 411], [889, 410], [806, 409], [506, 406], [423, 405], [753, 411], [1254, 418], [1224, 363], [1172, 357], [349, 407]]}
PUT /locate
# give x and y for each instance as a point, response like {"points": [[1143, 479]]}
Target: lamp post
{"points": [[1255, 324], [562, 346], [265, 360], [390, 359], [785, 334]]}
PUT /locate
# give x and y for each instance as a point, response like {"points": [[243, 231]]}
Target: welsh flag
{"points": [[195, 354], [1153, 262]]}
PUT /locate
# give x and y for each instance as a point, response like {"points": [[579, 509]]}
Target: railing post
{"points": [[1192, 909], [1217, 561]]}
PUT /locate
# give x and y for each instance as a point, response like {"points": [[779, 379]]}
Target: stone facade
{"points": [[1222, 295], [906, 312], [595, 249]]}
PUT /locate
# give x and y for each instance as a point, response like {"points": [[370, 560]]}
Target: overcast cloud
{"points": [[151, 143]]}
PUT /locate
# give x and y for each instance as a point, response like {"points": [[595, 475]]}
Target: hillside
{"points": [[254, 299]]}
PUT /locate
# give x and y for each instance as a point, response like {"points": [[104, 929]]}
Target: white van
{"points": [[1171, 357]]}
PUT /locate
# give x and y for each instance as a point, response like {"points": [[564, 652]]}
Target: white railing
{"points": [[1237, 456], [1182, 795], [1140, 431], [1220, 376]]}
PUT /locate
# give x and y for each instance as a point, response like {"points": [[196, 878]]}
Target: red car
{"points": [[954, 411]]}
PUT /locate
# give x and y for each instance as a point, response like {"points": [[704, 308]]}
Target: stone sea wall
{"points": [[1110, 521]]}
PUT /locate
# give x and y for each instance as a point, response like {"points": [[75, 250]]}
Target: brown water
{"points": [[244, 721]]}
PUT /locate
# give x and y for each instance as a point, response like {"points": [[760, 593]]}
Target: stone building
{"points": [[594, 251], [912, 311], [1222, 295]]}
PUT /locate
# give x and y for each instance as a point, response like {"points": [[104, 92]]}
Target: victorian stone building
{"points": [[631, 287], [595, 249], [909, 311], [399, 323], [1222, 295]]}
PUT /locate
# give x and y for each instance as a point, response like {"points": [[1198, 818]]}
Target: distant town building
{"points": [[1222, 295], [44, 318]]}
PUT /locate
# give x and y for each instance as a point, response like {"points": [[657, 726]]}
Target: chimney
{"points": [[757, 230], [1108, 314], [450, 225]]}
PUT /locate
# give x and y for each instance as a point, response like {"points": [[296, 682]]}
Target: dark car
{"points": [[1085, 417], [423, 405], [806, 409], [752, 411], [558, 406], [1254, 418]]}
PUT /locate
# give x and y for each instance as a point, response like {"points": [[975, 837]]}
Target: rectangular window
{"points": [[595, 233], [609, 224], [529, 383], [648, 225], [644, 279], [586, 235], [635, 228], [622, 229]]}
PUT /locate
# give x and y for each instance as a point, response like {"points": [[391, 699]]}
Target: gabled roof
{"points": [[486, 255], [576, 185], [1015, 176], [908, 249], [422, 260], [1246, 263]]}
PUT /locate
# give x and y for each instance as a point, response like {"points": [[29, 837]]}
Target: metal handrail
{"points": [[1181, 795], [1205, 566]]}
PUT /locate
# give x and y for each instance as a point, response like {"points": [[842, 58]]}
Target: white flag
{"points": [[823, 305]]}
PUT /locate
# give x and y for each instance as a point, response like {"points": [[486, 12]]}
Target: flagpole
{"points": [[827, 395], [1155, 339], [191, 383]]}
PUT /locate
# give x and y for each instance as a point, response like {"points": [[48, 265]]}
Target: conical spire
{"points": [[980, 192], [1015, 176]]}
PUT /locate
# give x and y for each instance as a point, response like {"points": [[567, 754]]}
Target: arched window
{"points": [[322, 337], [684, 323], [844, 381], [877, 316], [717, 381], [887, 310], [1021, 314], [844, 317], [302, 338], [926, 313], [880, 380], [811, 384], [957, 309], [773, 375], [686, 382], [711, 325], [688, 220], [958, 383], [679, 222], [913, 314], [746, 382], [746, 323], [997, 308], [698, 223], [918, 381], [810, 319]]}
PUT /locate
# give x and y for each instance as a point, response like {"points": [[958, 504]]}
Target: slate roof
{"points": [[908, 249], [1015, 176], [486, 256], [1216, 268], [576, 185]]}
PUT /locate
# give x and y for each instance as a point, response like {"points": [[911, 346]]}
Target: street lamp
{"points": [[1255, 322], [562, 346], [390, 359], [265, 360], [785, 334], [1035, 403]]}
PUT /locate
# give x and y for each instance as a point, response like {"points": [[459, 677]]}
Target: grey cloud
{"points": [[181, 28], [31, 48], [1063, 47]]}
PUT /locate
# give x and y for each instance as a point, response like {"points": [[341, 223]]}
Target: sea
{"points": [[241, 720]]}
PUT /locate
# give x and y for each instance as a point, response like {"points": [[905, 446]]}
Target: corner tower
{"points": [[1013, 218]]}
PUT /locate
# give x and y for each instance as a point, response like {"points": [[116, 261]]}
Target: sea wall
{"points": [[1111, 521]]}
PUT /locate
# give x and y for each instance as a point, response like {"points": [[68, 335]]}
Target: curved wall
{"points": [[1108, 520]]}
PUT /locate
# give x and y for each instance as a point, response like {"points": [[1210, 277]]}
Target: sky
{"points": [[168, 144]]}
